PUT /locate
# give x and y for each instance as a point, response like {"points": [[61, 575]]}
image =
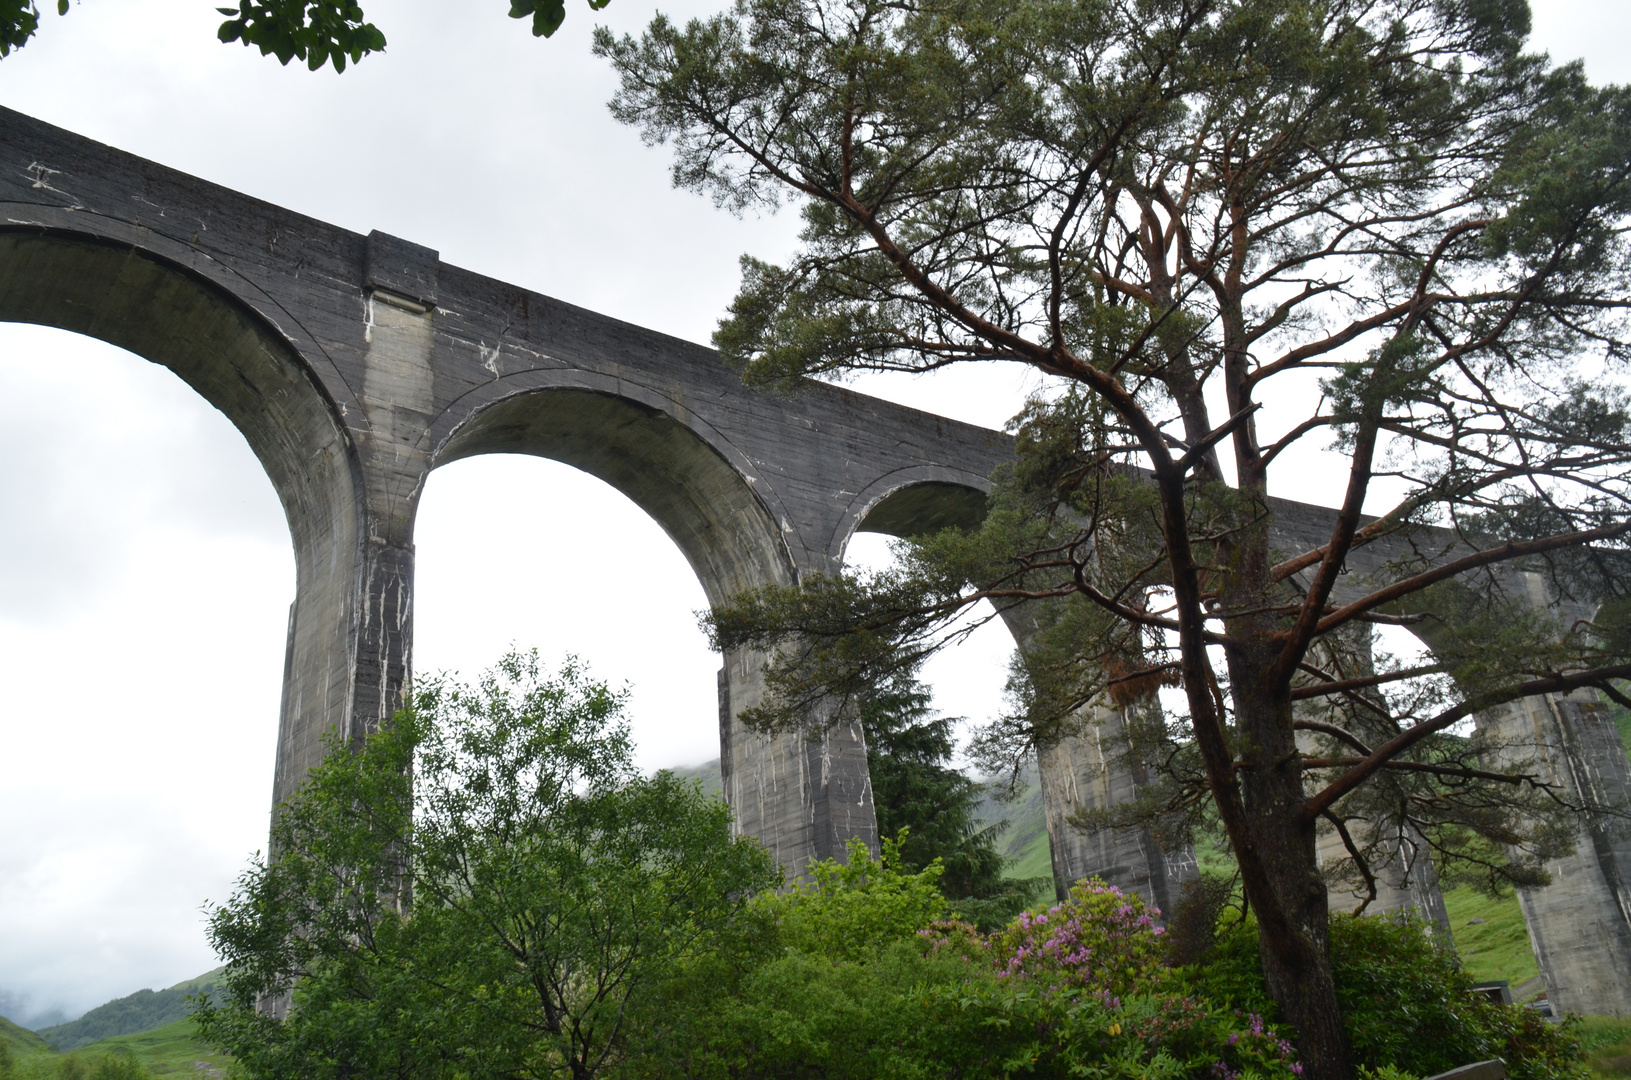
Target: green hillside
{"points": [[171, 1050], [20, 1041], [713, 781], [142, 1011], [1025, 841]]}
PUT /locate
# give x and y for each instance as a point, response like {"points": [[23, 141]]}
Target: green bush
{"points": [[855, 975], [1405, 1000]]}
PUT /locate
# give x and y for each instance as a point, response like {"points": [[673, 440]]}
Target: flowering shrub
{"points": [[1098, 936], [1406, 1002], [1079, 989]]}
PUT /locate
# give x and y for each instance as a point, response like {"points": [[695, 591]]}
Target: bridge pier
{"points": [[803, 797], [1580, 924], [1089, 772]]}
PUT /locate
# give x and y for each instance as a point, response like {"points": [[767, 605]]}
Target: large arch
{"points": [[1076, 773], [801, 797], [177, 318]]}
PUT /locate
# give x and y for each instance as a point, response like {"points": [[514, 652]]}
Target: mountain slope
{"points": [[20, 1041], [142, 1011], [172, 1049], [713, 782]]}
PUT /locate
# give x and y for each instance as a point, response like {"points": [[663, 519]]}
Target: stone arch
{"points": [[116, 290], [800, 797], [704, 502], [911, 502], [1579, 926]]}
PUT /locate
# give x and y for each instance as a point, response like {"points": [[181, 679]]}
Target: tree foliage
{"points": [[479, 891], [922, 797], [317, 32], [1229, 235], [857, 974]]}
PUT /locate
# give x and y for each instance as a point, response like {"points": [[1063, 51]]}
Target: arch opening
{"points": [[144, 593], [523, 551], [675, 474], [249, 371], [704, 504]]}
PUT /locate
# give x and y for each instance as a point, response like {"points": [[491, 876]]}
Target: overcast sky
{"points": [[145, 572]]}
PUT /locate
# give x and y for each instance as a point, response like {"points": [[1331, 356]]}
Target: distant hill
{"points": [[21, 1041], [142, 1011], [172, 1050], [713, 781], [1025, 840]]}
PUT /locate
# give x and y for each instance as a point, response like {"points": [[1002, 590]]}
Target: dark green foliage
{"points": [[546, 15], [916, 791], [142, 1011], [855, 975], [476, 892], [1405, 1001], [317, 32], [18, 21]]}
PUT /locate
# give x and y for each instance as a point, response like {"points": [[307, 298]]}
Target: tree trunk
{"points": [[1293, 919]]}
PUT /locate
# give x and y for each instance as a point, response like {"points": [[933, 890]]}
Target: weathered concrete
{"points": [[355, 365], [1580, 924]]}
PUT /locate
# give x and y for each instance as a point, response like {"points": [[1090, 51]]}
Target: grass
{"points": [[21, 1041], [1607, 1043], [171, 1050], [1497, 948]]}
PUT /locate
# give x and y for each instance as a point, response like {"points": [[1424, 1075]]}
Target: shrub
{"points": [[861, 979], [1405, 1001]]}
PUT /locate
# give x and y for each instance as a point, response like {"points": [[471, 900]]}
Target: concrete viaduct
{"points": [[355, 365]]}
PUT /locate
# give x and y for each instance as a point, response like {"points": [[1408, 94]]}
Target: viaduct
{"points": [[355, 365]]}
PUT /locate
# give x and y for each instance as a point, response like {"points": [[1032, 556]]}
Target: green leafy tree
{"points": [[479, 891], [317, 32], [1224, 233], [916, 789]]}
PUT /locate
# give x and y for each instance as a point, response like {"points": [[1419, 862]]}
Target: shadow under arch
{"points": [[705, 504], [132, 298]]}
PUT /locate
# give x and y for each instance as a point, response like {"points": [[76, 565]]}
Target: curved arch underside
{"points": [[925, 507], [699, 499], [242, 367]]}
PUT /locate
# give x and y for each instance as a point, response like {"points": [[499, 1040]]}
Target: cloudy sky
{"points": [[140, 660]]}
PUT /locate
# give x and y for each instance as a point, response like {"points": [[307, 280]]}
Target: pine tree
{"points": [[915, 787]]}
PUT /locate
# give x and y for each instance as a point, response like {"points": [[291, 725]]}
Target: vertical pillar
{"points": [[1092, 771], [1580, 924], [1405, 877], [1398, 856], [1089, 772], [351, 629], [804, 796]]}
